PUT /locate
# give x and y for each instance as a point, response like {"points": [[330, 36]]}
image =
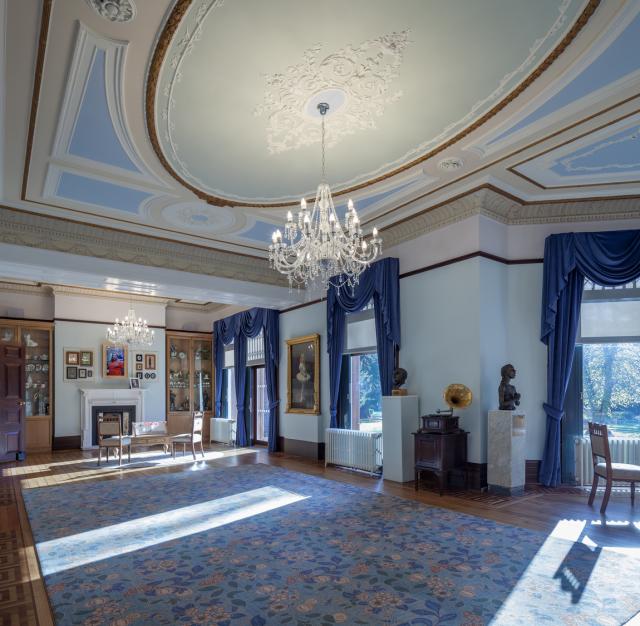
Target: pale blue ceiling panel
{"points": [[618, 153], [94, 191], [621, 58], [94, 137]]}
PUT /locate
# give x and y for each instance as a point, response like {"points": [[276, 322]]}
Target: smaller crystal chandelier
{"points": [[317, 248], [131, 331]]}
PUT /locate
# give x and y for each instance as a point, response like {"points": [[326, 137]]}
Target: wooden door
{"points": [[11, 401]]}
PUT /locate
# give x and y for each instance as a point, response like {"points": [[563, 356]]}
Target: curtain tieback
{"points": [[553, 412]]}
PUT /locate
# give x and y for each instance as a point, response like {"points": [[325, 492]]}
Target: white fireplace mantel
{"points": [[106, 397]]}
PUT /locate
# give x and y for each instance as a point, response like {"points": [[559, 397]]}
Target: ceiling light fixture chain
{"points": [[317, 250]]}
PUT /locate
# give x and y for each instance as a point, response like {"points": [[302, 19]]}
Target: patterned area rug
{"points": [[256, 544]]}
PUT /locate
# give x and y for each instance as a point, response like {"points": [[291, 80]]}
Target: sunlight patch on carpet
{"points": [[104, 543]]}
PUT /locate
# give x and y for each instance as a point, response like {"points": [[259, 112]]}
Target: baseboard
{"points": [[307, 449], [531, 472], [477, 475], [67, 443]]}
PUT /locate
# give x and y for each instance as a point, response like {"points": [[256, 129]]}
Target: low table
{"points": [[153, 439]]}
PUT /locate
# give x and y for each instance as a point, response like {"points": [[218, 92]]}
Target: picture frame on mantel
{"points": [[303, 375], [115, 361]]}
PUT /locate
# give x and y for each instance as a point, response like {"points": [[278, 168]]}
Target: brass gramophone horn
{"points": [[458, 396]]}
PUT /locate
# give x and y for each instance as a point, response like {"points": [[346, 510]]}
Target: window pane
{"points": [[361, 334], [262, 406], [610, 319], [611, 386], [366, 394]]}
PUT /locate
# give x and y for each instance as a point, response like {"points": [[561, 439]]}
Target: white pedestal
{"points": [[506, 451], [399, 420]]}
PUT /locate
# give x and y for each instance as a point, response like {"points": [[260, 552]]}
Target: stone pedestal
{"points": [[399, 420], [506, 452]]}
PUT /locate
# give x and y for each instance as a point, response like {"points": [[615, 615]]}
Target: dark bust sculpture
{"points": [[399, 377], [508, 397]]}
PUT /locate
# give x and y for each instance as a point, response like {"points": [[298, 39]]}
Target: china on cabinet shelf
{"points": [[189, 378], [36, 338]]}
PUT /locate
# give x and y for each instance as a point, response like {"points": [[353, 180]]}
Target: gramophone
{"points": [[456, 396]]}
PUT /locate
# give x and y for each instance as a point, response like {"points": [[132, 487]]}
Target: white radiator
{"points": [[623, 450], [223, 430], [353, 448]]}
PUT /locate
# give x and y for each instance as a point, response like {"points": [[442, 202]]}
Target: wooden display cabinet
{"points": [[189, 379], [37, 339]]}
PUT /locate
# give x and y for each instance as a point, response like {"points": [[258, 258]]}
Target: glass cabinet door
{"points": [[8, 334], [202, 374], [37, 392], [179, 385]]}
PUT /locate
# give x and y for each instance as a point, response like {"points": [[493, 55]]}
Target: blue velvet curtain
{"points": [[238, 328], [381, 281], [607, 258]]}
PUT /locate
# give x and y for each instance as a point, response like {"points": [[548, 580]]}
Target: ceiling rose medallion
{"points": [[357, 79], [114, 10], [316, 250]]}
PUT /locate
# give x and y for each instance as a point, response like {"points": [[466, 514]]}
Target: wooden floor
{"points": [[23, 599]]}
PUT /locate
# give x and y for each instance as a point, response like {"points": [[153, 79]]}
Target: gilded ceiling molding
{"points": [[31, 229], [173, 22]]}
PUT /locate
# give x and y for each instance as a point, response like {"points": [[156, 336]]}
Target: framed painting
{"points": [[72, 358], [72, 372], [303, 375], [114, 361], [86, 357], [150, 361]]}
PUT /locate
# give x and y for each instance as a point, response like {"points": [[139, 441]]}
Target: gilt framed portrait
{"points": [[114, 361], [303, 375]]}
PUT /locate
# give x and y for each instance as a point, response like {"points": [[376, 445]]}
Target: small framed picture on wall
{"points": [[138, 358], [82, 372], [86, 357], [114, 361], [134, 383], [150, 361], [139, 375], [138, 367], [72, 372], [72, 358]]}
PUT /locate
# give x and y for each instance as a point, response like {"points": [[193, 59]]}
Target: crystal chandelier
{"points": [[131, 331], [317, 249]]}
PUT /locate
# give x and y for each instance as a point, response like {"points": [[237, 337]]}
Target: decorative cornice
{"points": [[495, 204], [30, 229], [164, 42]]}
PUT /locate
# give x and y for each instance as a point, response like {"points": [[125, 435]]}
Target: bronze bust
{"points": [[399, 377], [508, 397]]}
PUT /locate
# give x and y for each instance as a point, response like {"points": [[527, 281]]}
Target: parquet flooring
{"points": [[23, 599]]}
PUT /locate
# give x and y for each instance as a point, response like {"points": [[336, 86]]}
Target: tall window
{"points": [[610, 363], [360, 391], [228, 395]]}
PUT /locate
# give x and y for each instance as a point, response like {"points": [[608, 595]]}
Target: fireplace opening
{"points": [[127, 415]]}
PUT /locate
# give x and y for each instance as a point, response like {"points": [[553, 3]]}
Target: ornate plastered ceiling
{"points": [[235, 97], [171, 117]]}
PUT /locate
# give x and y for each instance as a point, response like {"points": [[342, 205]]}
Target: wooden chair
{"points": [[110, 437], [194, 438], [606, 469]]}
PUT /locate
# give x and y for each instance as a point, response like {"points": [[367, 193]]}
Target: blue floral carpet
{"points": [[258, 545]]}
